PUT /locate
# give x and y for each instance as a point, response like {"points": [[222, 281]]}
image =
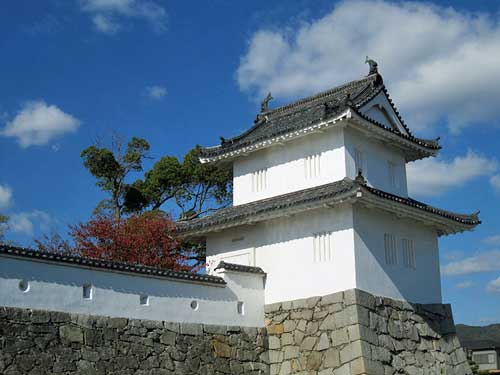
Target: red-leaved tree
{"points": [[147, 239]]}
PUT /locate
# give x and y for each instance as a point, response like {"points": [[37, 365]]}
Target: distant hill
{"points": [[472, 336]]}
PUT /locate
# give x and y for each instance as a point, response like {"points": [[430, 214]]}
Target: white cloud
{"points": [[107, 14], [105, 24], [464, 285], [494, 286], [492, 240], [495, 182], [433, 176], [438, 62], [482, 262], [5, 196], [38, 123], [156, 92], [26, 222]]}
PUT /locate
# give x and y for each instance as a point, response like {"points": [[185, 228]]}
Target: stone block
{"points": [[221, 349], [168, 338], [191, 329], [289, 325], [345, 369], [299, 304], [308, 343], [291, 352], [305, 314], [272, 308], [298, 337], [331, 358], [332, 298], [323, 342], [215, 329], [275, 329], [287, 339], [69, 333], [117, 323], [329, 323], [340, 336], [274, 342], [280, 317], [312, 302], [313, 361], [174, 327], [276, 356]]}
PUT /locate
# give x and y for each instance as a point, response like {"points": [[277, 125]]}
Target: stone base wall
{"points": [[353, 332], [345, 333], [40, 343]]}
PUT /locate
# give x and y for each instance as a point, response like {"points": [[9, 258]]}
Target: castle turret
{"points": [[321, 200]]}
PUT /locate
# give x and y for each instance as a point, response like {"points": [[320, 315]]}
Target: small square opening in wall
{"points": [[144, 300], [87, 291], [241, 307]]}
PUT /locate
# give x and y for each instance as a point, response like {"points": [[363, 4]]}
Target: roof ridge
{"points": [[320, 95], [283, 110]]}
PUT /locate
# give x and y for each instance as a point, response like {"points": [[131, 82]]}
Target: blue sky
{"points": [[182, 73]]}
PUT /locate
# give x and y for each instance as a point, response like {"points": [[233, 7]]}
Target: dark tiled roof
{"points": [[240, 268], [459, 218], [252, 209], [427, 143], [328, 193], [481, 344], [109, 265], [305, 112]]}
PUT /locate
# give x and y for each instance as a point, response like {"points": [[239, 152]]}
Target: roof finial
{"points": [[373, 65], [348, 100], [264, 105], [360, 179]]}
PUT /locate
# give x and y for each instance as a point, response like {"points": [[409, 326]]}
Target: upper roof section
{"points": [[286, 122]]}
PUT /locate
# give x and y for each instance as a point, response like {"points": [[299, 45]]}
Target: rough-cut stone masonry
{"points": [[354, 332], [40, 343], [345, 333]]}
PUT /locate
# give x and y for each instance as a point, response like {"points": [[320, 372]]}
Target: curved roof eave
{"points": [[334, 193]]}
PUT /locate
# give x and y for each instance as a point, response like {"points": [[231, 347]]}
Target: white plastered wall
{"points": [[376, 158], [284, 249], [59, 287], [285, 166], [419, 285]]}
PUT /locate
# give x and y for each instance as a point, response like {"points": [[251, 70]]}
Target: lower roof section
{"points": [[328, 195]]}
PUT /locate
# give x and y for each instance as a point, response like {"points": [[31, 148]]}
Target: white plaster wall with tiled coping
{"points": [[490, 354], [285, 249], [285, 164], [59, 287]]}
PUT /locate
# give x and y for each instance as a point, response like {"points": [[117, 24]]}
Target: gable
{"points": [[380, 110]]}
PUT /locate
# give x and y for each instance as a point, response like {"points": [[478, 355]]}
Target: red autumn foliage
{"points": [[146, 239]]}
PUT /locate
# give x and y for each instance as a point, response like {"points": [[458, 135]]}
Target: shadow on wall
{"points": [[390, 267]]}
